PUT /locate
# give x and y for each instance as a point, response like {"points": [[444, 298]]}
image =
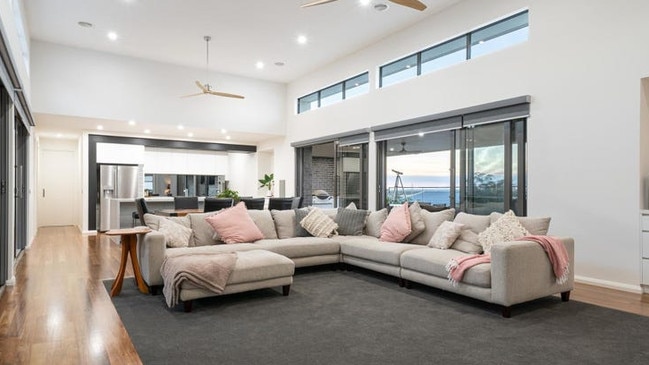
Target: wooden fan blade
{"points": [[190, 95], [318, 2], [201, 86], [218, 93], [414, 4]]}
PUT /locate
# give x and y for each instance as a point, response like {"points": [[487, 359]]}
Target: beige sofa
{"points": [[519, 271]]}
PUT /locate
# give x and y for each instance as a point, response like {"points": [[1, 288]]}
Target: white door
{"points": [[57, 201]]}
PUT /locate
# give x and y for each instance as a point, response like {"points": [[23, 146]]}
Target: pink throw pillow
{"points": [[397, 226], [234, 225]]}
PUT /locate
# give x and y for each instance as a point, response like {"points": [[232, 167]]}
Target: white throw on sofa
{"points": [[519, 270]]}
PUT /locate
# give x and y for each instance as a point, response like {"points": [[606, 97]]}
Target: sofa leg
{"points": [[565, 296], [407, 284], [154, 289], [402, 282], [285, 290], [342, 266], [507, 312], [188, 305]]}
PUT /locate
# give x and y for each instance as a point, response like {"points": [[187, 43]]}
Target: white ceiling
{"points": [[243, 31]]}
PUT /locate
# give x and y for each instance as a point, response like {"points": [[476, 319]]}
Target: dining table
{"points": [[177, 212]]}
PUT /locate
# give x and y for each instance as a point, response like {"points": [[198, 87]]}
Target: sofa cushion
{"points": [[433, 261], [432, 220], [264, 221], [446, 235], [351, 221], [417, 224], [284, 222], [397, 226], [474, 222], [204, 234], [375, 221], [234, 225], [370, 248], [300, 246], [467, 242], [506, 228], [536, 226], [153, 221], [299, 231], [213, 249], [318, 224], [176, 235]]}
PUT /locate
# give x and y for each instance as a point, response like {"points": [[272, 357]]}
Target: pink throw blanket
{"points": [[552, 246]]}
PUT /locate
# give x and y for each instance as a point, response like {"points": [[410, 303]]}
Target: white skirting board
{"points": [[609, 284]]}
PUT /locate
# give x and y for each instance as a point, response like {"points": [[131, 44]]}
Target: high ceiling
{"points": [[243, 32]]}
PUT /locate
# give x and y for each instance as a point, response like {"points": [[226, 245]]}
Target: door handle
{"points": [[43, 193]]}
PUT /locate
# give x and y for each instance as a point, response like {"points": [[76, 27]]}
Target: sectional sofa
{"points": [[519, 271]]}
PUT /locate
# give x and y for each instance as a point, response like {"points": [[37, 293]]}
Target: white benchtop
{"points": [[152, 199]]}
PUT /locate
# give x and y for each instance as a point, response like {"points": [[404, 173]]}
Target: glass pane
{"points": [[350, 172], [485, 186], [332, 94], [443, 55], [398, 71], [418, 169], [500, 35], [357, 86], [320, 172], [308, 102]]}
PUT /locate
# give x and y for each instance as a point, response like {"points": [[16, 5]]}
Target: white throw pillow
{"points": [[506, 228], [319, 224], [176, 235], [445, 235]]}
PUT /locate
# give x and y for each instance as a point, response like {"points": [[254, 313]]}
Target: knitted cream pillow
{"points": [[319, 224], [445, 235], [506, 228], [176, 235]]}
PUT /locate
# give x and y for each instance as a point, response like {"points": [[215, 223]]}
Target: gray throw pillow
{"points": [[351, 221], [375, 221], [299, 230]]}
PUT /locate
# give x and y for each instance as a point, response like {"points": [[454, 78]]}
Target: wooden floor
{"points": [[59, 312]]}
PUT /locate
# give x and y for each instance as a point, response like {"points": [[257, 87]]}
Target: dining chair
{"points": [[213, 204], [254, 203], [185, 202], [142, 209], [280, 203]]}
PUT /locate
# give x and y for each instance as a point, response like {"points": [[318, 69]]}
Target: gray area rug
{"points": [[359, 317]]}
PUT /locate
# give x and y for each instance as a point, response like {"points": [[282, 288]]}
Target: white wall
{"points": [[84, 83], [242, 176], [582, 66]]}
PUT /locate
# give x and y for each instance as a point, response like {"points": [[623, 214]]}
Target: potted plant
{"points": [[227, 193], [268, 182]]}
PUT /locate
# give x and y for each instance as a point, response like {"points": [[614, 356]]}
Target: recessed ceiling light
{"points": [[380, 7], [147, 131], [279, 63], [180, 127], [100, 127], [85, 24], [223, 131], [59, 135], [131, 122], [365, 2], [302, 39], [259, 65], [190, 134], [112, 36], [391, 149], [228, 137]]}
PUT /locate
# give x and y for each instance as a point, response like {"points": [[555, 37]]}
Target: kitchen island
{"points": [[121, 210]]}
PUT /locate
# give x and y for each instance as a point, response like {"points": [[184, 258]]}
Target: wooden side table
{"points": [[129, 246]]}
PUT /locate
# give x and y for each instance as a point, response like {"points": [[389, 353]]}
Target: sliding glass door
{"points": [[476, 169], [332, 174]]}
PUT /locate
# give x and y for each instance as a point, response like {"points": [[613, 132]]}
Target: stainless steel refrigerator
{"points": [[116, 181]]}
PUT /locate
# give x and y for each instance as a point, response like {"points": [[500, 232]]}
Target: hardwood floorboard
{"points": [[59, 312]]}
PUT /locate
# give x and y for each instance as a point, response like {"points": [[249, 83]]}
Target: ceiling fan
{"points": [[207, 88], [414, 4], [404, 150]]}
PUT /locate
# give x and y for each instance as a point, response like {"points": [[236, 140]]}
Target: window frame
{"points": [[341, 84]]}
